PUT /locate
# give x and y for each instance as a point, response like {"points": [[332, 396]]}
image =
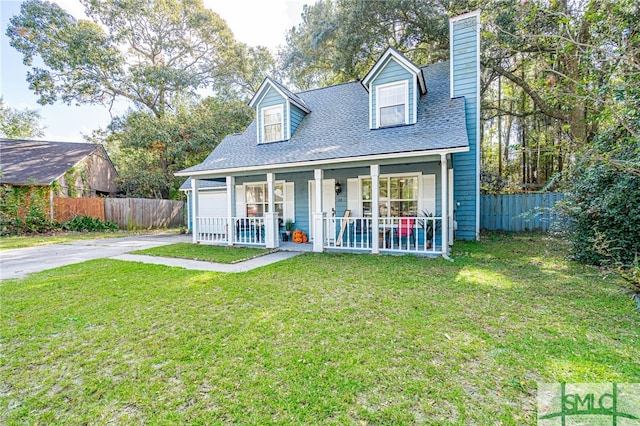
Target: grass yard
{"points": [[218, 254], [318, 339]]}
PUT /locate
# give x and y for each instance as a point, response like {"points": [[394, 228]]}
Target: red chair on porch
{"points": [[405, 230]]}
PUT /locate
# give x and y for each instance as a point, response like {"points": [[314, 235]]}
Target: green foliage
{"points": [[340, 40], [146, 51], [24, 210], [88, 224], [288, 225], [19, 124], [603, 204], [147, 150]]}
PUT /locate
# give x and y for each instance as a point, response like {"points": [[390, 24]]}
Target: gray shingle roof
{"points": [[338, 127], [292, 96], [39, 162], [203, 184]]}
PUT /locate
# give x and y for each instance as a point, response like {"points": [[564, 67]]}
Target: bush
{"points": [[604, 207], [89, 224], [23, 210]]}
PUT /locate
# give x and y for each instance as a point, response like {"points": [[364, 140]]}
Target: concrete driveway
{"points": [[16, 263]]}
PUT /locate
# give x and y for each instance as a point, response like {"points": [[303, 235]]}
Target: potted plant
{"points": [[288, 226], [427, 224]]}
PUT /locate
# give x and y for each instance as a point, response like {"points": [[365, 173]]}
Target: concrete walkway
{"points": [[17, 263]]}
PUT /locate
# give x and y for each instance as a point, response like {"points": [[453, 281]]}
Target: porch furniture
{"points": [[405, 230], [384, 237], [247, 231], [361, 231]]}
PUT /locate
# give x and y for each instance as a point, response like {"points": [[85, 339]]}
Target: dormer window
{"points": [[278, 112], [273, 128], [395, 85], [393, 104]]}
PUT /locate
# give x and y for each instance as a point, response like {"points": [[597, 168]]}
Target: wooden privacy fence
{"points": [[128, 213], [66, 208], [519, 212], [142, 213]]}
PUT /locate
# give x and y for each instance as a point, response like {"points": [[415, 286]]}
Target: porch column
{"points": [[375, 208], [444, 197], [271, 216], [231, 203], [195, 184], [318, 215]]}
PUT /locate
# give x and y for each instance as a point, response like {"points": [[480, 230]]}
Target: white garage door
{"points": [[213, 204]]}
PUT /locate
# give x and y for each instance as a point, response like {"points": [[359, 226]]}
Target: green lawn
{"points": [[317, 339], [218, 254]]}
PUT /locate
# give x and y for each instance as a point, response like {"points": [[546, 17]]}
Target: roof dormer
{"points": [[394, 85], [278, 111]]}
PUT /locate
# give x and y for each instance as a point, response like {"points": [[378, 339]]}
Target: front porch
{"points": [[376, 208], [400, 235]]}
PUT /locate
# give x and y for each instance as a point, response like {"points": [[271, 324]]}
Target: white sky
{"points": [[253, 22]]}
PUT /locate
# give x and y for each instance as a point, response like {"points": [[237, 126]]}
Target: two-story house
{"points": [[386, 164]]}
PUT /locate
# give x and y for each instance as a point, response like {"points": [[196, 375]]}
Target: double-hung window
{"points": [[398, 196], [393, 104], [272, 124], [257, 199]]}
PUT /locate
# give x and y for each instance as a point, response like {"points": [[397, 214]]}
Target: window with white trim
{"points": [[392, 104], [398, 196], [272, 124], [257, 199]]}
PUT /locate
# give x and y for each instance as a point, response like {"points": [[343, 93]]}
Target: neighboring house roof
{"points": [[29, 162], [338, 127], [203, 184]]}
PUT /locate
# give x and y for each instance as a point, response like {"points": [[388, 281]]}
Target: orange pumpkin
{"points": [[297, 236]]}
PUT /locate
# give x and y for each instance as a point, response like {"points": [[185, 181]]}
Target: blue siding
{"points": [[271, 98], [464, 63], [392, 72], [296, 117]]}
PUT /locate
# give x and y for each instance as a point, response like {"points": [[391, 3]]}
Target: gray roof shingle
{"points": [[39, 162], [203, 184], [338, 127]]}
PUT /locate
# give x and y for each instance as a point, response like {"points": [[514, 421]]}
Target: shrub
{"points": [[602, 205], [24, 210], [602, 201], [89, 224]]}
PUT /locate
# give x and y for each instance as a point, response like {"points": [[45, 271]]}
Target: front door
{"points": [[328, 204]]}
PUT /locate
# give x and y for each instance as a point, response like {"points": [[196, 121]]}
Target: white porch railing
{"points": [[215, 230], [395, 234], [212, 230], [249, 230]]}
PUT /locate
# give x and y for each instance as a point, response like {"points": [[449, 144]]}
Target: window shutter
{"points": [[428, 196], [241, 208], [289, 202], [353, 197]]}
